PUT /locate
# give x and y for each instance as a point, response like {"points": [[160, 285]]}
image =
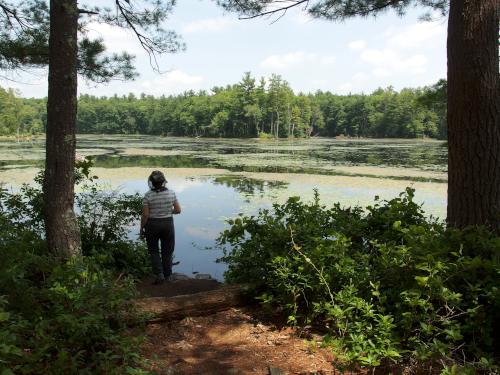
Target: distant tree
{"points": [[218, 122], [435, 99], [18, 116], [246, 97], [473, 93], [317, 121], [279, 98], [25, 26], [409, 113], [333, 110]]}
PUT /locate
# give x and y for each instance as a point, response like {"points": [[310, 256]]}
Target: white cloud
{"points": [[381, 72], [178, 77], [208, 25], [345, 87], [360, 76], [416, 64], [357, 45], [375, 56], [389, 60], [28, 83], [400, 52], [389, 32], [116, 39], [302, 18], [319, 82], [186, 184], [280, 62], [417, 35], [173, 81], [327, 60], [294, 59], [203, 233]]}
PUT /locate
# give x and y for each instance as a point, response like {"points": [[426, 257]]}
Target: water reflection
{"points": [[166, 161], [208, 202], [260, 176], [263, 163], [249, 187]]}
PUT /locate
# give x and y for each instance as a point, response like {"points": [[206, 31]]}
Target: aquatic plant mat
{"points": [[414, 159]]}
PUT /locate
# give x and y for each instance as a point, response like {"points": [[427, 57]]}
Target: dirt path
{"points": [[237, 341], [232, 342]]}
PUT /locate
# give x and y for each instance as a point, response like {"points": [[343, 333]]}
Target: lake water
{"points": [[216, 179]]}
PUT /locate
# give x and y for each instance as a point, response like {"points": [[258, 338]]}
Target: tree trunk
{"points": [[62, 232], [289, 119], [277, 125], [198, 304], [272, 123], [256, 125], [473, 114]]}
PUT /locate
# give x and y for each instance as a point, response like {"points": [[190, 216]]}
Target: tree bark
{"points": [[198, 304], [473, 114], [62, 232]]}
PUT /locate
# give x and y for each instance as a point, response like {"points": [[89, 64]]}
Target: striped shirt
{"points": [[160, 203]]}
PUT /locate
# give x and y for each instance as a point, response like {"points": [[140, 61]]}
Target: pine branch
{"points": [[85, 11], [12, 16], [146, 43], [283, 9]]}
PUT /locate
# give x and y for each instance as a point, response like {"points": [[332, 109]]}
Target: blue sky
{"points": [[355, 56]]}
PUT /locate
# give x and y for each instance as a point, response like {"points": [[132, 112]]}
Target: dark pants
{"points": [[162, 231]]}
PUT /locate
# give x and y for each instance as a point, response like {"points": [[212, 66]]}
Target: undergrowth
{"points": [[70, 317], [386, 284]]}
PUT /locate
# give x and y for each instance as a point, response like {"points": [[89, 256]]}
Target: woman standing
{"points": [[157, 225]]}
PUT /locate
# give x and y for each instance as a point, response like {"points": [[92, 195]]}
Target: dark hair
{"points": [[157, 180]]}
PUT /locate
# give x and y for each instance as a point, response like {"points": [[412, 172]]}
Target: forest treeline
{"points": [[249, 108]]}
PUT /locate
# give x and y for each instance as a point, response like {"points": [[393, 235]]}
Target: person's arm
{"points": [[144, 219], [177, 207]]}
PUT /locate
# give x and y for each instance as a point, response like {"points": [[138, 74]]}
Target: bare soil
{"points": [[236, 341], [232, 342]]}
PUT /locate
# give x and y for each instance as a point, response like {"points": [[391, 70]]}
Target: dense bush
{"points": [[105, 220], [63, 319], [72, 317], [104, 217], [386, 283]]}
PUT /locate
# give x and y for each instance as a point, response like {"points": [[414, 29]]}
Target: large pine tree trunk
{"points": [[63, 235], [473, 114]]}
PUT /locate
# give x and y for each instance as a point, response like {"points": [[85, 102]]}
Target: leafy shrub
{"points": [[63, 318], [263, 135], [73, 317], [386, 283], [104, 218], [60, 318]]}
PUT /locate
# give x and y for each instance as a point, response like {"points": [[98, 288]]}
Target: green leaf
{"points": [[422, 280], [4, 316]]}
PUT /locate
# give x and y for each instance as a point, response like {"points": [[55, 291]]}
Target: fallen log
{"points": [[197, 304]]}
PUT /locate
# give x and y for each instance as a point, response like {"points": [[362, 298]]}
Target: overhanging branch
{"points": [[146, 42], [282, 9], [12, 16]]}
